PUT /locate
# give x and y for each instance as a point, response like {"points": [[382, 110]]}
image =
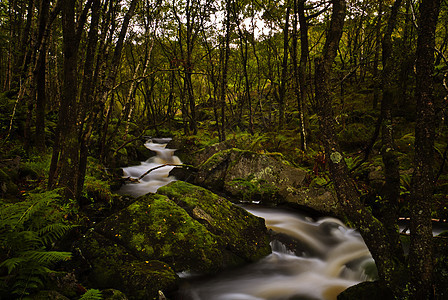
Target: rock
{"points": [[64, 283], [113, 266], [45, 295], [112, 294], [188, 228], [268, 178], [240, 232], [366, 291], [227, 165]]}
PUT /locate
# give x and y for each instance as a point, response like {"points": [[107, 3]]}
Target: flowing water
{"points": [[164, 161], [332, 258], [327, 259]]}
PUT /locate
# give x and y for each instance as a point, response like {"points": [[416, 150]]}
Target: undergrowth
{"points": [[29, 230]]}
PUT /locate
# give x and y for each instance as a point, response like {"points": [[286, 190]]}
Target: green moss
{"points": [[154, 227], [113, 266], [241, 232]]}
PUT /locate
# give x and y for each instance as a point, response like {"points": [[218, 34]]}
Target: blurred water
{"points": [[156, 178], [332, 258]]}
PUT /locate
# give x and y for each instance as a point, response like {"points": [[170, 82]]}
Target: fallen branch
{"points": [[136, 180]]}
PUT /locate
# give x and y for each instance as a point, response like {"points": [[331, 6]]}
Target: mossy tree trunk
{"points": [[372, 230], [68, 155], [421, 256], [391, 189]]}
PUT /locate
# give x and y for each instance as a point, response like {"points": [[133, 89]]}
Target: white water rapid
{"points": [[156, 178], [333, 258]]}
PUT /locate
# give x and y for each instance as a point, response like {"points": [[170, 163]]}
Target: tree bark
{"points": [[304, 54], [68, 158], [421, 256], [391, 189], [225, 66], [284, 74], [370, 228]]}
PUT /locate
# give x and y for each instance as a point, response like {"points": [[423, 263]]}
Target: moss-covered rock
{"points": [[112, 294], [191, 229], [263, 177], [113, 266], [222, 168], [240, 232]]}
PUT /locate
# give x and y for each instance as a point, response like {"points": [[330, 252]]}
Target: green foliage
{"points": [[97, 189], [92, 294], [39, 164], [405, 184], [28, 231]]}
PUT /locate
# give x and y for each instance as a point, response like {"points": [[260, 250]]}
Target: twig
{"points": [[158, 167]]}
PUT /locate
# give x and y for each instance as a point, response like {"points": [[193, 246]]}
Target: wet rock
{"points": [[268, 178], [227, 165], [241, 233], [188, 228], [113, 266], [366, 291]]}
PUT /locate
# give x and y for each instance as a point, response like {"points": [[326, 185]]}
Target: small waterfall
{"points": [[156, 178], [334, 259]]}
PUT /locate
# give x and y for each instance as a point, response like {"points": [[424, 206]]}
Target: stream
{"points": [[330, 256]]}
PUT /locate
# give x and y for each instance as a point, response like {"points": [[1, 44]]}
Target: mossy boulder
{"points": [[239, 232], [189, 228], [226, 166], [247, 175], [113, 266], [112, 294]]}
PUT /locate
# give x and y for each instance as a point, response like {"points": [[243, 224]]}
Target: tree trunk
{"points": [[391, 189], [377, 55], [421, 256], [225, 66], [68, 158], [41, 77], [370, 228], [304, 54], [284, 74]]}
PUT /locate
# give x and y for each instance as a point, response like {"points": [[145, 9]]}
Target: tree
{"points": [[420, 256]]}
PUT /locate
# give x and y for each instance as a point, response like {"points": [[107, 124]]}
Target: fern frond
{"points": [[12, 263], [92, 294], [53, 232], [27, 282], [46, 258]]}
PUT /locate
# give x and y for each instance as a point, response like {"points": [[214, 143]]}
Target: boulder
{"points": [[268, 178], [184, 228], [367, 291], [239, 232], [113, 266]]}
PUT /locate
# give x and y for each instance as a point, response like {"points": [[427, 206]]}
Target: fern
{"points": [[92, 294], [28, 230]]}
